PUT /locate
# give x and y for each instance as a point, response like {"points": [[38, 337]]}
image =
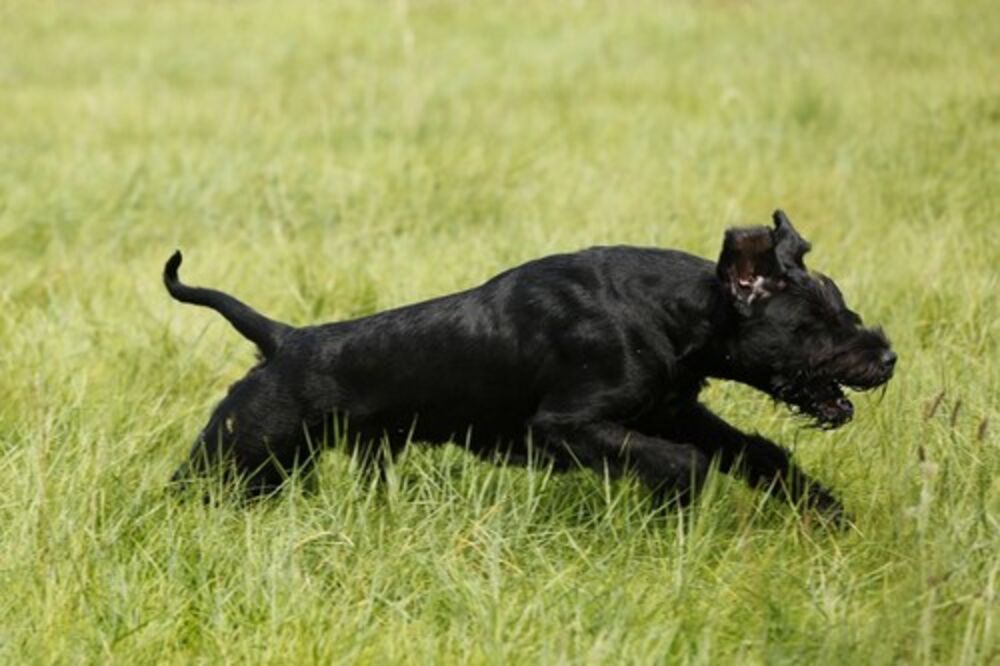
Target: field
{"points": [[326, 160]]}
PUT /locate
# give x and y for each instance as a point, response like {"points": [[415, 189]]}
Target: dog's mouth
{"points": [[825, 402], [823, 397], [830, 407]]}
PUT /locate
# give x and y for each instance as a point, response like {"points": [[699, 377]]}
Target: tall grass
{"points": [[325, 160]]}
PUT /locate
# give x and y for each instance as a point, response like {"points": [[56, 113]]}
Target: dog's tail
{"points": [[265, 333]]}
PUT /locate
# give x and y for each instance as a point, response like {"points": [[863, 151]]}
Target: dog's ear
{"points": [[748, 266], [789, 246]]}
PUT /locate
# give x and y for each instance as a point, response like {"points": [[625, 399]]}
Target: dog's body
{"points": [[594, 358]]}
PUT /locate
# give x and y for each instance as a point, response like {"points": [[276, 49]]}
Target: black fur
{"points": [[596, 358]]}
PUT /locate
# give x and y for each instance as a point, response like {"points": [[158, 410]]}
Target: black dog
{"points": [[594, 358]]}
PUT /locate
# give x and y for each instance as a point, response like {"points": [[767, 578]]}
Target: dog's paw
{"points": [[829, 509]]}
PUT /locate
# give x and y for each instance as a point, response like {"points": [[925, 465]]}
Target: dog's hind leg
{"points": [[262, 463], [255, 435]]}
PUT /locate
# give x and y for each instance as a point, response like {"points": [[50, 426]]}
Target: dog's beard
{"points": [[822, 401], [822, 397]]}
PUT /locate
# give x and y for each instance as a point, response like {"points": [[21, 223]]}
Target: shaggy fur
{"points": [[596, 358]]}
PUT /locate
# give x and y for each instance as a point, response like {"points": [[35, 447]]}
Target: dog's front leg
{"points": [[672, 471], [760, 461]]}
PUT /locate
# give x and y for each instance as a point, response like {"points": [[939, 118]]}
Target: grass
{"points": [[325, 160]]}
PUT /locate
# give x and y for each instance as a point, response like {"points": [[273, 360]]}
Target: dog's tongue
{"points": [[836, 411]]}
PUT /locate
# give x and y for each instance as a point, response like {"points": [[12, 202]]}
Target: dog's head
{"points": [[795, 337]]}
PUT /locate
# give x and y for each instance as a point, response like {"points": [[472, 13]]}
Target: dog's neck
{"points": [[708, 323]]}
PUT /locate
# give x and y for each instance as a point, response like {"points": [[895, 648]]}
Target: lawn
{"points": [[326, 160]]}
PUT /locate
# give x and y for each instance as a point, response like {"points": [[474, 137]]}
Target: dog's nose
{"points": [[888, 358]]}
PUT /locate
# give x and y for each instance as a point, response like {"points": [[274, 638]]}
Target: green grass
{"points": [[325, 160]]}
